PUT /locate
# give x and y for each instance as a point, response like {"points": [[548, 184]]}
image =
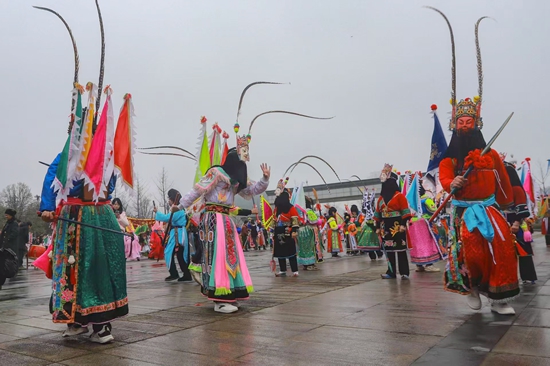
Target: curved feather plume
{"points": [[75, 51], [285, 112], [101, 65], [453, 67], [312, 167], [246, 89], [479, 64], [169, 154], [323, 160], [167, 147]]}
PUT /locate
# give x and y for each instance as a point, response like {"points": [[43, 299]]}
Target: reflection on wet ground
{"points": [[343, 314]]}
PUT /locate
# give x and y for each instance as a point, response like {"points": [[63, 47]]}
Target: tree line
{"points": [[19, 196]]}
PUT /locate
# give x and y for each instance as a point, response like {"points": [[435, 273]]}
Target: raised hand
{"points": [[266, 170]]}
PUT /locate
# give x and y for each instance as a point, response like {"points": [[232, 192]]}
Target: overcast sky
{"points": [[375, 65]]}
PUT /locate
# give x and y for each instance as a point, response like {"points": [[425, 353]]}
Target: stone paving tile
{"points": [[534, 317], [531, 341], [503, 359], [15, 359], [269, 359], [259, 327], [208, 343], [335, 344], [156, 329], [545, 290], [541, 302], [20, 331], [396, 323], [6, 338], [450, 357], [105, 359], [82, 342], [41, 323], [479, 336], [42, 350], [164, 356]]}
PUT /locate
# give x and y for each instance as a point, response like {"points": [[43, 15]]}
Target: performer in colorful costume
{"points": [[391, 216], [333, 231], [87, 264], [132, 248], [285, 227], [309, 240], [219, 264], [482, 258], [427, 247], [515, 215], [178, 243], [367, 240]]}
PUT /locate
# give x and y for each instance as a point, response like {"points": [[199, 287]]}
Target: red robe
{"points": [[476, 262]]}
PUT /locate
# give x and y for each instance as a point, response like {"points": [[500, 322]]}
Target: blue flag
{"points": [[438, 147]]}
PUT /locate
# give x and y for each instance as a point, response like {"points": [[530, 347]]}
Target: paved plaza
{"points": [[343, 314]]}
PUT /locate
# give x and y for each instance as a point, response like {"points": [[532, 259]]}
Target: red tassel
{"points": [[73, 275], [49, 271]]}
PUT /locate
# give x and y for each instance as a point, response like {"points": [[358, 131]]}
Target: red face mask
{"points": [[465, 124]]}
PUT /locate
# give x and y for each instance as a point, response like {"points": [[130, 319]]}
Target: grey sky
{"points": [[376, 65]]}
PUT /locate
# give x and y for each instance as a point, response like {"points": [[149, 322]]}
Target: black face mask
{"points": [[282, 203], [389, 188]]}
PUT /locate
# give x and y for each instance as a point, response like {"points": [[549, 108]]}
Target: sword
{"points": [[469, 170], [94, 227]]}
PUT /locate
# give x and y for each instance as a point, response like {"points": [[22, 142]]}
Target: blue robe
{"points": [[179, 221]]}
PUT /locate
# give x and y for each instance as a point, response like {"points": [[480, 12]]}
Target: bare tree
{"points": [[163, 185], [541, 176], [142, 204], [17, 196]]}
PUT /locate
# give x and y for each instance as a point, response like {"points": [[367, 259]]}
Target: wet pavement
{"points": [[343, 314]]}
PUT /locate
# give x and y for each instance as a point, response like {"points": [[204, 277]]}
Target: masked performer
{"points": [[515, 215], [219, 256], [87, 263], [286, 224], [177, 245], [482, 258], [391, 216]]}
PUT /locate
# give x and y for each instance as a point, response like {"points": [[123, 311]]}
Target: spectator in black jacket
{"points": [[24, 229], [9, 238]]}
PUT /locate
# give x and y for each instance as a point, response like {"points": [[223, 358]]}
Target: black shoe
{"points": [[170, 278], [185, 279]]}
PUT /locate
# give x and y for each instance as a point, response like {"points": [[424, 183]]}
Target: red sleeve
{"points": [[446, 173], [404, 206], [504, 193], [520, 198]]}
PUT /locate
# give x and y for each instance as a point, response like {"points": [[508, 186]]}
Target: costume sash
{"points": [[475, 216]]}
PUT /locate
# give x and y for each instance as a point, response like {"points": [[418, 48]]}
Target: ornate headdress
{"points": [[466, 107], [387, 173], [281, 186]]}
